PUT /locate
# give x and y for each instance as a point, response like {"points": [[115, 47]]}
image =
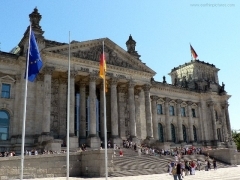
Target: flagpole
{"points": [[191, 52], [105, 121], [24, 106], [68, 109]]}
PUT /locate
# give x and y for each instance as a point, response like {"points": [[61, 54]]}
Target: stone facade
{"points": [[192, 109]]}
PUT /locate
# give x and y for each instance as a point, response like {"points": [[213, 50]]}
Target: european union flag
{"points": [[35, 61]]}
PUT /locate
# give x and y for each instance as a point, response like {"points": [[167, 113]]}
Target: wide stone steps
{"points": [[131, 164]]}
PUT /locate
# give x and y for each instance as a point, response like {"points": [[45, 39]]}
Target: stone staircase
{"points": [[130, 164]]}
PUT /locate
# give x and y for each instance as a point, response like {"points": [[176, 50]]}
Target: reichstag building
{"points": [[192, 109]]}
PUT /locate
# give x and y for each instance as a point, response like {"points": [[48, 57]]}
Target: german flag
{"points": [[102, 66], [193, 52]]}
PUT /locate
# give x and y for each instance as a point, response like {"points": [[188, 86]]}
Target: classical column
{"points": [[92, 106], [224, 123], [82, 123], [93, 140], [17, 106], [146, 89], [190, 122], [214, 126], [72, 103], [137, 111], [38, 104], [154, 117], [132, 115], [101, 112], [47, 100], [179, 121], [121, 111], [167, 121], [62, 97], [228, 121], [204, 121], [114, 108], [200, 121]]}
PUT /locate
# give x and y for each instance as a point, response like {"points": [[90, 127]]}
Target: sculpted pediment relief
{"points": [[112, 57], [91, 50]]}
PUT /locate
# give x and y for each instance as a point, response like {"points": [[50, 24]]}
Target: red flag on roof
{"points": [[193, 52]]}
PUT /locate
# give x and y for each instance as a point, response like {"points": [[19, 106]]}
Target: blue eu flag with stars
{"points": [[35, 61]]}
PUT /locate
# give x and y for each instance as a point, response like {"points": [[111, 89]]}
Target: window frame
{"points": [[3, 84], [159, 111], [183, 113], [171, 110], [193, 112]]}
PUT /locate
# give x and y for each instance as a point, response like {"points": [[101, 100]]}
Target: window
{"points": [[159, 109], [171, 111], [5, 91], [4, 125], [193, 113], [183, 112], [160, 132], [216, 116]]}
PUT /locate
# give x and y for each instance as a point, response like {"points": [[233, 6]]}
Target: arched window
{"points": [[184, 133], [173, 133], [160, 132], [195, 133], [4, 125]]}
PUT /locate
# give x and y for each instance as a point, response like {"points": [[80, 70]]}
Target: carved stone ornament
{"points": [[179, 101], [114, 81], [147, 87], [137, 91], [154, 98], [93, 77], [111, 57], [120, 76], [122, 89], [73, 74], [131, 84], [48, 70], [84, 69], [167, 100], [189, 103]]}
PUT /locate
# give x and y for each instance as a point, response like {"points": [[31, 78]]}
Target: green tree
{"points": [[236, 138]]}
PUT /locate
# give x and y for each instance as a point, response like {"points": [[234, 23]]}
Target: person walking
{"points": [[214, 164], [179, 171]]}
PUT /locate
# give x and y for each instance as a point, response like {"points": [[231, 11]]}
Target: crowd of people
{"points": [[7, 154]]}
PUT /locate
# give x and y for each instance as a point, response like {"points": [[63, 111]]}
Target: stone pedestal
{"points": [[73, 142], [54, 145], [137, 141], [118, 141], [82, 140], [93, 142], [44, 138]]}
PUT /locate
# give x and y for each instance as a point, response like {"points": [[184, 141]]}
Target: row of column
{"points": [[167, 120], [117, 111]]}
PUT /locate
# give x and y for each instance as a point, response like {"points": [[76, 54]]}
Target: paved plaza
{"points": [[232, 173]]}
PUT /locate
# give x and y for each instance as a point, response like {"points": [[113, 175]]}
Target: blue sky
{"points": [[162, 30]]}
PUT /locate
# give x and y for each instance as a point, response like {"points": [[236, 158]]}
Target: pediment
{"points": [[91, 50], [7, 78]]}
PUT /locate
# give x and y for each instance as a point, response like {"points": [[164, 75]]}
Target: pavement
{"points": [[231, 173]]}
